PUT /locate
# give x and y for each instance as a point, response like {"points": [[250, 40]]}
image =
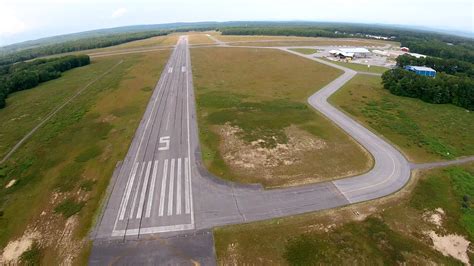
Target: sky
{"points": [[22, 20]]}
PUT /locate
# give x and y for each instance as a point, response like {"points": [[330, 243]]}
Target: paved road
{"points": [[162, 189]]}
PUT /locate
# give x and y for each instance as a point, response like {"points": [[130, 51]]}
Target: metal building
{"points": [[422, 70]]}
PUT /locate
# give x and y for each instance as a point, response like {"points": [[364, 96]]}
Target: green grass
{"points": [[264, 104], [360, 67], [423, 131], [75, 153], [304, 50], [32, 256], [453, 190], [392, 235], [69, 207]]}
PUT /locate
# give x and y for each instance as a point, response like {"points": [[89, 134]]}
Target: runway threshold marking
{"points": [[171, 189], [142, 196], [128, 190], [152, 190], [136, 191], [178, 188], [163, 188]]}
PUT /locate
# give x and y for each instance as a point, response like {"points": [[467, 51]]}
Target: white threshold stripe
{"points": [[170, 70], [153, 230], [186, 186], [178, 188], [128, 191], [171, 189], [132, 208], [163, 188], [152, 190], [142, 196]]}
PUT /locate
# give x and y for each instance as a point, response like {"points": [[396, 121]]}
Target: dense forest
{"points": [[76, 45], [444, 88], [26, 75]]}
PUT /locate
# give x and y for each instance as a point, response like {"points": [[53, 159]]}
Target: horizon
{"points": [[26, 20], [464, 34]]}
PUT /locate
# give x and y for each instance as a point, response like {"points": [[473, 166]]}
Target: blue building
{"points": [[422, 70]]}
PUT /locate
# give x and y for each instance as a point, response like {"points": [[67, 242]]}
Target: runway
{"points": [[153, 193], [162, 189]]}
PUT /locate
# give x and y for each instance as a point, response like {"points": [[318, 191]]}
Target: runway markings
{"points": [[152, 190], [170, 70], [128, 191], [186, 186], [142, 196], [136, 191], [163, 188], [178, 188], [183, 69], [171, 193], [171, 190]]}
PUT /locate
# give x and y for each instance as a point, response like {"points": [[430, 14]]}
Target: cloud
{"points": [[10, 24], [119, 12]]}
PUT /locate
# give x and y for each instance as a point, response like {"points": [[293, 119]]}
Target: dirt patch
{"points": [[255, 159], [11, 183], [12, 252], [451, 245], [434, 217]]}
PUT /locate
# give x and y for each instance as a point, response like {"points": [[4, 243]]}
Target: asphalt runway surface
{"points": [[162, 191]]}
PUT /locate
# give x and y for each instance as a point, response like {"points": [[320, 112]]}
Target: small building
{"points": [[405, 49], [422, 70]]}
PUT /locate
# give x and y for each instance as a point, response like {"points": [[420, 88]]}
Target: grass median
{"points": [[255, 125]]}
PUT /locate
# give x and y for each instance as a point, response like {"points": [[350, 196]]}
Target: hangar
{"points": [[350, 52]]}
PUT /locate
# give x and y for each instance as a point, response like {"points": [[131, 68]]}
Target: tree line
{"points": [[26, 75], [428, 43], [281, 31], [449, 66], [76, 45], [444, 88]]}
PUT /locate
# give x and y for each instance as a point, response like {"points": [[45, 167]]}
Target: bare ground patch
{"points": [[290, 163]]}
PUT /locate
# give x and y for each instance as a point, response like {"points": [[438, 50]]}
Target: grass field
{"points": [[200, 37], [360, 67], [66, 166], [302, 40], [423, 131], [387, 233], [304, 50], [255, 124]]}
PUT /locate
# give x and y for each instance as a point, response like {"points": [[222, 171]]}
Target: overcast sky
{"points": [[30, 19]]}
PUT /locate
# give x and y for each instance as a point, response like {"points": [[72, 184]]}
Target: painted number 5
{"points": [[166, 142]]}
